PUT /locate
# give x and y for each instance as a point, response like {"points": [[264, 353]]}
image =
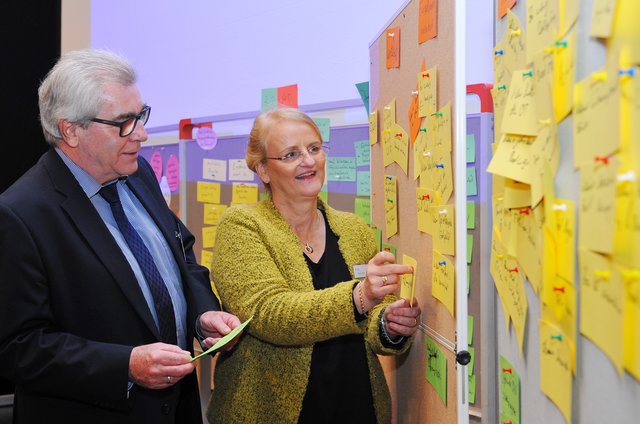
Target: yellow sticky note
{"points": [[597, 194], [520, 110], [400, 149], [408, 282], [499, 94], [528, 233], [629, 116], [388, 148], [602, 18], [512, 158], [564, 71], [626, 238], [391, 205], [209, 236], [212, 213], [443, 281], [207, 192], [244, 193], [514, 43], [602, 302], [425, 198], [626, 33], [559, 303], [545, 153], [206, 258], [542, 25], [631, 326], [373, 127], [496, 265], [444, 229], [516, 194], [514, 297], [420, 148], [596, 105], [389, 115], [427, 91], [564, 233], [441, 124], [438, 175], [555, 367]]}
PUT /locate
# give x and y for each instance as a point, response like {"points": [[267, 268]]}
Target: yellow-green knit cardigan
{"points": [[259, 270]]}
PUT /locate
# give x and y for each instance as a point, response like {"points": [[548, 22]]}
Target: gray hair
{"points": [[73, 88]]}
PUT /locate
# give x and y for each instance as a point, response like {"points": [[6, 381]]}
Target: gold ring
{"points": [[168, 379], [384, 280]]}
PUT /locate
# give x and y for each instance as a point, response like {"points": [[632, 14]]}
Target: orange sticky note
{"points": [[288, 96], [504, 6], [393, 47], [414, 119], [427, 20]]}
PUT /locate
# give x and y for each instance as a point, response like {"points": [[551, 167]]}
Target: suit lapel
{"points": [[98, 238]]}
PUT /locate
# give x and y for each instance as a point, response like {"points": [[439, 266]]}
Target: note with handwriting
{"points": [[389, 115], [428, 91], [224, 340], [206, 258], [516, 194], [244, 193], [496, 265], [208, 236], [427, 20], [212, 213], [597, 194], [414, 119], [436, 368], [341, 168], [207, 192], [520, 110], [363, 152], [471, 148], [602, 294], [390, 205], [596, 106], [626, 236], [528, 236], [602, 18], [420, 150], [408, 281], [238, 170], [214, 169], [509, 392], [288, 96], [512, 158], [363, 183], [631, 325], [499, 95], [324, 125], [472, 181], [393, 47], [269, 99], [400, 149], [438, 174], [565, 235], [363, 90], [504, 6], [542, 25], [559, 306], [555, 367], [544, 152], [362, 208], [443, 217], [515, 45], [441, 124], [373, 127], [425, 198], [443, 286]]}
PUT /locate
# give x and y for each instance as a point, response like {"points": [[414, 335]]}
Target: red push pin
{"points": [[558, 289], [505, 370]]}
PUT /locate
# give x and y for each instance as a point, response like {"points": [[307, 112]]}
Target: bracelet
{"points": [[386, 335], [361, 298]]}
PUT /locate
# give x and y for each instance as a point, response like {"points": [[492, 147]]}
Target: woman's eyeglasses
{"points": [[295, 156]]}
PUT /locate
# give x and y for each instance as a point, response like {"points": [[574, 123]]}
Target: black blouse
{"points": [[339, 389]]}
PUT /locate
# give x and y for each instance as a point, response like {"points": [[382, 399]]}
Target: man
{"points": [[100, 293]]}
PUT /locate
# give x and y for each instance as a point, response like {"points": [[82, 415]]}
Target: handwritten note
{"points": [[471, 148], [288, 96], [408, 282], [393, 47], [389, 115], [362, 209], [555, 367], [212, 213], [427, 91], [206, 258], [390, 205], [438, 175], [425, 198], [207, 192], [363, 90], [564, 72], [214, 169], [363, 183], [238, 170], [363, 152], [528, 236], [436, 368], [443, 228], [509, 392], [443, 281], [442, 127], [520, 110], [244, 193], [208, 236], [427, 20], [269, 99], [341, 168], [597, 191], [373, 127], [324, 125], [514, 43], [631, 325], [512, 159], [472, 183], [542, 25]]}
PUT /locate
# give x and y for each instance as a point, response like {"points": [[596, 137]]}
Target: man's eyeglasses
{"points": [[295, 156], [128, 125]]}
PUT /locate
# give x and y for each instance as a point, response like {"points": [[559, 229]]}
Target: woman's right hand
{"points": [[382, 278]]}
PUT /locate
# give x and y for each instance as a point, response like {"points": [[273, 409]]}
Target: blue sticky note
{"points": [[324, 125], [471, 148], [363, 152], [341, 168], [472, 183], [269, 99], [363, 183], [363, 89]]}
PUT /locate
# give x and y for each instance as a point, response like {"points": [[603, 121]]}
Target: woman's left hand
{"points": [[401, 319]]}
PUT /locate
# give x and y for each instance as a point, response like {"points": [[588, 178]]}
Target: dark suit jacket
{"points": [[71, 309]]}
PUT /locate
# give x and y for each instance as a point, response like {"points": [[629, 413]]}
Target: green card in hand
{"points": [[224, 340]]}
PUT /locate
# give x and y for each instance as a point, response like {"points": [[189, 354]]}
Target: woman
{"points": [[309, 355]]}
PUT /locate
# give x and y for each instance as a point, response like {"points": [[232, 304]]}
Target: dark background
{"points": [[30, 34]]}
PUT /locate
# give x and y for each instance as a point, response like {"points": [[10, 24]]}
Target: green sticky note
{"points": [[472, 388], [324, 125], [472, 183], [363, 152], [469, 247], [377, 232], [363, 183], [471, 148], [389, 248], [470, 329], [341, 169], [363, 89], [224, 340], [363, 209], [436, 368], [472, 363], [468, 279], [471, 215], [269, 99], [509, 391]]}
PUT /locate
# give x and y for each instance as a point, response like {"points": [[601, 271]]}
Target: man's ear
{"points": [[262, 173], [68, 132]]}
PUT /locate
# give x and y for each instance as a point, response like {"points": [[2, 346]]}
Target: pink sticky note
{"points": [[173, 173], [288, 96], [206, 138], [156, 164]]}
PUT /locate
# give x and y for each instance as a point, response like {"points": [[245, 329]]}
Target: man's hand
{"points": [[159, 365], [216, 324]]}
